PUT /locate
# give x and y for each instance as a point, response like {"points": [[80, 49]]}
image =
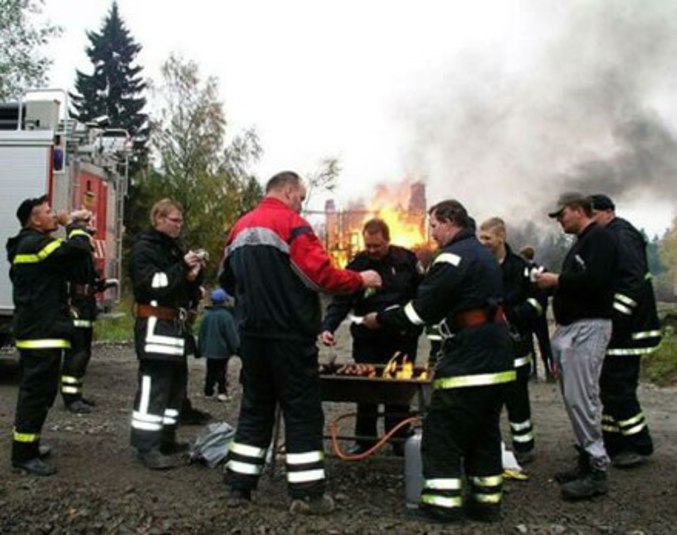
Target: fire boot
{"points": [[483, 512], [35, 467], [586, 486], [318, 505], [582, 467], [155, 460], [238, 498]]}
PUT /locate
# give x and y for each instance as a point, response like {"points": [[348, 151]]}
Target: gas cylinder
{"points": [[413, 470]]}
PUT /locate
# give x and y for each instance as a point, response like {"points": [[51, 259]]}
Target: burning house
{"points": [[402, 207]]}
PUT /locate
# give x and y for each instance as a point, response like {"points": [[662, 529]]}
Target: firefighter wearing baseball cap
{"points": [[461, 434], [635, 332], [40, 267]]}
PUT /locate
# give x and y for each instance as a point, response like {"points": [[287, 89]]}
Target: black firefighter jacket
{"points": [[158, 275], [40, 267], [83, 286], [401, 274], [636, 327], [465, 276], [523, 303]]}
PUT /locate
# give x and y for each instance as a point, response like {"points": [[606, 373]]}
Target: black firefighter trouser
{"points": [[519, 409], [75, 364], [379, 350], [159, 396], [37, 390], [461, 434], [283, 372], [623, 424]]}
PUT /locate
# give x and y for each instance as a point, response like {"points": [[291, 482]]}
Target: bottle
{"points": [[413, 470]]}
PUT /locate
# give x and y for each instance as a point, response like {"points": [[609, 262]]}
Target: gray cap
{"points": [[572, 198]]}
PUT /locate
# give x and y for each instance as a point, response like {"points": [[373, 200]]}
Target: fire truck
{"points": [[77, 165]]}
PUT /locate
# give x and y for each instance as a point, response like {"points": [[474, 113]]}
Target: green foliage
{"points": [[22, 65], [661, 367], [120, 329], [210, 179], [116, 87], [324, 179]]}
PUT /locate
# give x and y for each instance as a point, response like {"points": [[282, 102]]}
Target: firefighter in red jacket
{"points": [[635, 332], [40, 267], [165, 280], [276, 265]]}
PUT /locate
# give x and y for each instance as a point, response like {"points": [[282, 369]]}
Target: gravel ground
{"points": [[101, 487]]}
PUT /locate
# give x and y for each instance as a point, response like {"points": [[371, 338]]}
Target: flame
{"points": [[406, 230]]}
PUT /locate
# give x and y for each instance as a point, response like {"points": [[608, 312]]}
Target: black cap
{"points": [[602, 202], [569, 199], [23, 213]]}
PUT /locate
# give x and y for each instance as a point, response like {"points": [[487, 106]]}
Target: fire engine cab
{"points": [[76, 165]]}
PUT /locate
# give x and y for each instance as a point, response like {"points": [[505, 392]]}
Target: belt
{"points": [[86, 290], [477, 316], [161, 313]]}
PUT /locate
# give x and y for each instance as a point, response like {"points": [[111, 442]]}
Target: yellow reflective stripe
{"points": [[305, 476], [487, 498], [26, 437], [537, 306], [247, 451], [633, 351], [40, 255], [244, 468], [71, 389], [610, 428], [645, 334], [77, 232], [82, 323], [475, 380], [608, 418], [69, 380], [633, 430], [625, 299], [622, 308], [487, 481], [638, 418], [522, 361], [304, 458], [441, 501], [528, 437], [412, 315], [520, 426], [448, 258], [443, 484], [47, 343]]}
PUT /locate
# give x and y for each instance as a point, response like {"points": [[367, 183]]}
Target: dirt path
{"points": [[100, 487]]}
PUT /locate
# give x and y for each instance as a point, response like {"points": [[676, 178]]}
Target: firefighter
{"points": [[635, 332], [85, 283], [400, 272], [523, 304], [165, 280], [275, 265], [40, 267], [582, 307], [461, 433]]}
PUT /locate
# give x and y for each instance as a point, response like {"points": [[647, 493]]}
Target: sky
{"points": [[501, 104]]}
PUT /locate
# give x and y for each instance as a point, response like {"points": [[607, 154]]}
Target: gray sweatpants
{"points": [[579, 350]]}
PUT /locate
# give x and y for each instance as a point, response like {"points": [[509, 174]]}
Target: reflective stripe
{"points": [[522, 361], [411, 314], [610, 428], [68, 380], [161, 339], [637, 418], [136, 415], [475, 380], [82, 323], [434, 337], [305, 476], [608, 418], [487, 498], [648, 276], [646, 334], [70, 390], [146, 426], [487, 481], [442, 484], [163, 350], [247, 451], [625, 299], [170, 417], [537, 306], [145, 394], [244, 468], [169, 421], [26, 437], [160, 280], [40, 255], [171, 412], [448, 258], [528, 437], [633, 351], [622, 309], [440, 501], [304, 458], [47, 343], [519, 426], [633, 430], [77, 232]]}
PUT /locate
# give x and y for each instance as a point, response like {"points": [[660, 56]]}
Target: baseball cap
{"points": [[572, 198], [602, 202], [219, 296], [23, 213]]}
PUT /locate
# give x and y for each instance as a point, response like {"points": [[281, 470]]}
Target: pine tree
{"points": [[116, 87]]}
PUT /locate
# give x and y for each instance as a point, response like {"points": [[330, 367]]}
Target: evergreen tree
{"points": [[115, 88]]}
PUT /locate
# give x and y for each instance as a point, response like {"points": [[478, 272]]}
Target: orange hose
{"points": [[360, 456]]}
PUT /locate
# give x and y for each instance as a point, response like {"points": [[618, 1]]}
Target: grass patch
{"points": [[118, 326], [661, 367]]}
